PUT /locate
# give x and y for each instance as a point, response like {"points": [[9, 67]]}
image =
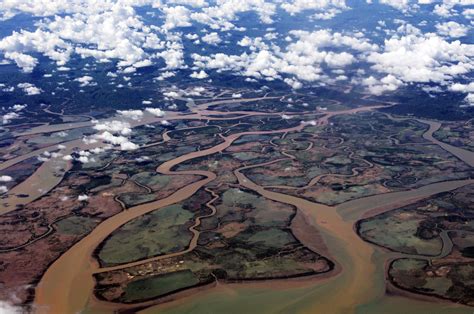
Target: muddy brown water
{"points": [[67, 286], [192, 244], [68, 283], [51, 172], [465, 155], [359, 287]]}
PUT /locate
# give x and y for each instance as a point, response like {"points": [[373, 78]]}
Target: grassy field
{"points": [[397, 230], [132, 199], [160, 232], [449, 281], [151, 287], [75, 225]]}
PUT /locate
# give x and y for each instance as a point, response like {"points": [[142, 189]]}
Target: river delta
{"points": [[346, 208]]}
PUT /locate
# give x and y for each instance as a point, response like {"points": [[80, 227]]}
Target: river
{"points": [[67, 286]]}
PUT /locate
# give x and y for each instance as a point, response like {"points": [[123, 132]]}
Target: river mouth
{"points": [[356, 282]]}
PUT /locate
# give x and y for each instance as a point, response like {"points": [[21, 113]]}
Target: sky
{"points": [[50, 49], [378, 46]]}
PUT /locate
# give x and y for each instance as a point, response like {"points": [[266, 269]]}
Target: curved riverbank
{"points": [[67, 286], [68, 283]]}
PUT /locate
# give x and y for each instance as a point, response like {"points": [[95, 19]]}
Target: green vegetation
{"points": [[155, 286], [357, 156], [162, 231], [457, 133], [397, 230], [271, 238], [416, 228], [132, 199], [441, 225], [75, 225], [248, 238], [449, 281], [152, 179]]}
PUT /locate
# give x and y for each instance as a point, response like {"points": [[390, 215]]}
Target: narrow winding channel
{"points": [[67, 286]]}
